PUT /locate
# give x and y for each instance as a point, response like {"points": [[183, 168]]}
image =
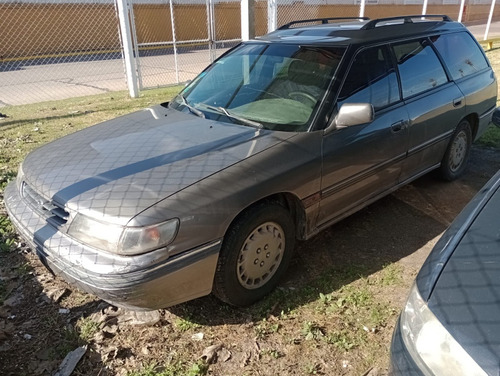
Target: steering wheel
{"points": [[296, 95]]}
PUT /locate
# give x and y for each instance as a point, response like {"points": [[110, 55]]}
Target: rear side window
{"points": [[419, 67], [460, 53], [371, 79]]}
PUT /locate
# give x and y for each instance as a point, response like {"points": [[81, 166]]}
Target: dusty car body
{"points": [[275, 141]]}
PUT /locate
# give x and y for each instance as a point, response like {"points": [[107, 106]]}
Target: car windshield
{"points": [[270, 86]]}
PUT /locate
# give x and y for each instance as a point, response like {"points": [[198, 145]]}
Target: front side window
{"points": [[273, 86], [460, 53], [419, 67], [371, 79]]}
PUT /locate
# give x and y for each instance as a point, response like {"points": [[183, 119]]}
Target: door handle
{"points": [[457, 102], [398, 126]]}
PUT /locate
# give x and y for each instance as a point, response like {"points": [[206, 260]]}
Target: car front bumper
{"points": [[149, 281]]}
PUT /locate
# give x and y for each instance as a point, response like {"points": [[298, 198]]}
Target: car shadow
{"points": [[382, 233]]}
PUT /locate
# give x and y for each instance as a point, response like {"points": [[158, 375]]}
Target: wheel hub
{"points": [[458, 151], [260, 255]]}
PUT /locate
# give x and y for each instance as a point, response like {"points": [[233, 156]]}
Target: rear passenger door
{"points": [[362, 161], [435, 105]]}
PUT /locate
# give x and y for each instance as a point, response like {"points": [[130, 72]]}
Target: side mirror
{"points": [[352, 114], [496, 117]]}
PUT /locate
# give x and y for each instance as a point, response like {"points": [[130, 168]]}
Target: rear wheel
{"points": [[457, 154], [255, 253]]}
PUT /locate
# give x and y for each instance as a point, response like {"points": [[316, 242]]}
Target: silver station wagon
{"points": [[276, 140]]}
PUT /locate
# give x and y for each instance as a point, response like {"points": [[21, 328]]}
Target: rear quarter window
{"points": [[419, 67], [460, 53]]}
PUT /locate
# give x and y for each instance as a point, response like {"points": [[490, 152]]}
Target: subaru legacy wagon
{"points": [[279, 138]]}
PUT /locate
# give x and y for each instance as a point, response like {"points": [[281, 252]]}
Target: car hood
{"points": [[118, 168], [467, 293]]}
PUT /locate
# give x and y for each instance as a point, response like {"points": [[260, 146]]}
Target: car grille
{"points": [[55, 214]]}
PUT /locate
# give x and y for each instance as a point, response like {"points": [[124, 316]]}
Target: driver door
{"points": [[361, 162]]}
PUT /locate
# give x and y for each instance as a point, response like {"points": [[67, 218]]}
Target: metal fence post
{"points": [[424, 7], [136, 46], [461, 11], [128, 54], [272, 15], [487, 31], [247, 19], [174, 41], [362, 8], [211, 30]]}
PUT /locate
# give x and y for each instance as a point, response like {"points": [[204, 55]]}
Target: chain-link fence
{"points": [[290, 10], [175, 39], [53, 49]]}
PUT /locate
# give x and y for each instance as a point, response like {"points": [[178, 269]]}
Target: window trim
{"points": [[433, 48], [392, 61], [443, 62]]}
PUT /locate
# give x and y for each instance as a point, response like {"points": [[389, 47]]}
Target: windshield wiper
{"points": [[193, 110], [240, 119]]}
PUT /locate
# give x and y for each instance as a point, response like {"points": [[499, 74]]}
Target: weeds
{"points": [[312, 369], [87, 328], [342, 340], [152, 369], [7, 235], [490, 138], [69, 341], [266, 328], [312, 331], [24, 269], [392, 275], [199, 368], [186, 324]]}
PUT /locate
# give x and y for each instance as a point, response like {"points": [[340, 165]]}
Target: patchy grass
{"points": [[392, 275], [185, 324], [490, 138], [87, 329], [198, 368], [8, 235]]}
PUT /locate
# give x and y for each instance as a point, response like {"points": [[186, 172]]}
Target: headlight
{"points": [[434, 350], [122, 240]]}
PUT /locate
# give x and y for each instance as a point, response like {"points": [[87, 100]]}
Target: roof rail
{"points": [[323, 21], [406, 19]]}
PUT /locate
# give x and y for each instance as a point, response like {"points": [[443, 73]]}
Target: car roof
{"points": [[349, 31]]}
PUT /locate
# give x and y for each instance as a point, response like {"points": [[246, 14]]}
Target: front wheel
{"points": [[457, 154], [255, 253]]}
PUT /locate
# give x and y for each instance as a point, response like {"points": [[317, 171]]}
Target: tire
{"points": [[456, 156], [255, 253]]}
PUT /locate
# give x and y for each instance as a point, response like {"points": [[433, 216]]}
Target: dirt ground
{"points": [[42, 318]]}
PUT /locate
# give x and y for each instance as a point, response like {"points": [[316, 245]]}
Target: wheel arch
{"points": [[473, 120], [290, 202]]}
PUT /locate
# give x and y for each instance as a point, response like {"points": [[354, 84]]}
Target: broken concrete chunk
{"points": [[214, 352], [146, 318], [70, 361]]}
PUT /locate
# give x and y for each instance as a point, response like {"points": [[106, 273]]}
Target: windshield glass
{"points": [[270, 86]]}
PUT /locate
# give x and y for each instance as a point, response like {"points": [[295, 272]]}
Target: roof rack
{"points": [[406, 19], [322, 20]]}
